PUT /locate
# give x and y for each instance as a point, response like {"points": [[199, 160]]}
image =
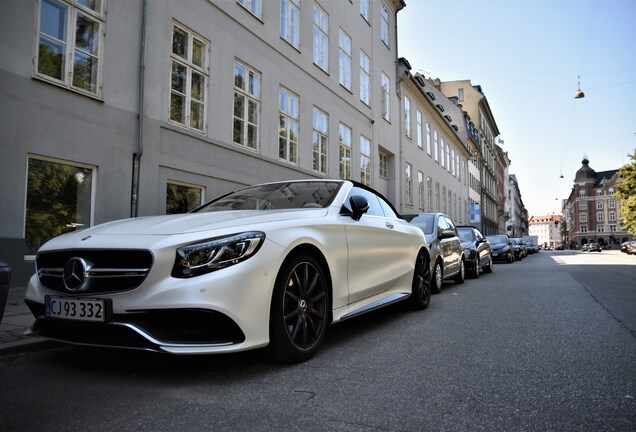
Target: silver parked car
{"points": [[447, 253]]}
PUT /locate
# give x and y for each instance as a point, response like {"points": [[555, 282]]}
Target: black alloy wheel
{"points": [[477, 267], [299, 313], [421, 289]]}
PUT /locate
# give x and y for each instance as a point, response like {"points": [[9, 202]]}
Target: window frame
{"points": [[320, 38], [190, 69], [345, 134], [385, 88], [408, 183], [287, 115], [365, 78], [407, 117], [366, 161], [186, 185], [93, 191], [344, 59], [383, 165], [69, 45], [320, 140], [289, 28], [248, 96], [255, 7], [384, 25]]}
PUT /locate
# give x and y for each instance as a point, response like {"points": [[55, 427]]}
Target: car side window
{"points": [[450, 225], [388, 210], [478, 235], [375, 209], [441, 225]]}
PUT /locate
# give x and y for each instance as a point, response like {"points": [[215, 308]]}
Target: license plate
{"points": [[495, 254], [92, 310]]}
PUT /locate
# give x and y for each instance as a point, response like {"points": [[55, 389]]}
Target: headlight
{"points": [[216, 253]]}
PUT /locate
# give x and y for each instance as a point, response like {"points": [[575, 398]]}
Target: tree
{"points": [[627, 192]]}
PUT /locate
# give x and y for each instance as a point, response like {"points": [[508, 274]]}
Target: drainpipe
{"points": [[134, 199]]}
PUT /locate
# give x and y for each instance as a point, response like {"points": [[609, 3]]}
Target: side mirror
{"points": [[447, 234], [359, 205]]}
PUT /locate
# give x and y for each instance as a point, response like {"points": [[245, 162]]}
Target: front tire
{"points": [[436, 283], [299, 311], [461, 276], [476, 267], [421, 290], [489, 267]]}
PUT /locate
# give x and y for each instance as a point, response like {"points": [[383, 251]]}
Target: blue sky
{"points": [[527, 56]]}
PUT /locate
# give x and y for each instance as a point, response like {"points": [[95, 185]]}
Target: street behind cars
{"points": [[447, 257]]}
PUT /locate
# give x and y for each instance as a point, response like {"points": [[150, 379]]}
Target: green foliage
{"points": [[627, 192]]}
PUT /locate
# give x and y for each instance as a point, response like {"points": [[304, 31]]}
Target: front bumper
{"points": [[223, 311]]}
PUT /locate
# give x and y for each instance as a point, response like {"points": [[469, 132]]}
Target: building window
{"points": [[600, 217], [407, 116], [385, 84], [612, 228], [583, 205], [428, 138], [582, 217], [181, 198], [600, 228], [319, 140], [453, 163], [418, 130], [429, 187], [366, 167], [444, 202], [582, 193], [583, 228], [599, 192], [344, 155], [384, 24], [437, 197], [611, 204], [420, 188], [599, 204], [59, 199], [321, 38], [460, 95], [290, 21], [408, 180], [610, 191], [448, 155], [364, 9], [288, 103], [436, 146], [69, 44], [344, 59], [365, 78], [383, 165], [247, 91], [612, 216], [443, 152], [254, 6], [188, 86]]}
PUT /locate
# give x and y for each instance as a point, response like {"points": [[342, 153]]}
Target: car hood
{"points": [[468, 244], [196, 222], [498, 246]]}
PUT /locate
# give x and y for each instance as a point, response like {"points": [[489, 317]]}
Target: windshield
{"points": [[497, 239], [276, 196], [465, 234], [424, 222]]}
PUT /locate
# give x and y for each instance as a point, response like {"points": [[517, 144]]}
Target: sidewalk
{"points": [[16, 320]]}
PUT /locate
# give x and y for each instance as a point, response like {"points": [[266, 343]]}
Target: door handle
{"points": [[389, 225]]}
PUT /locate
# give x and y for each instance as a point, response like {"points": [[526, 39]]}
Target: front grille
{"points": [[109, 270]]}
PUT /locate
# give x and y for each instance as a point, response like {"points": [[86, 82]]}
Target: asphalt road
{"points": [[545, 344]]}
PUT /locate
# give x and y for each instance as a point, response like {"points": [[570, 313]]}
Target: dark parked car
{"points": [[447, 258], [5, 278], [519, 248], [477, 251], [595, 247], [501, 248]]}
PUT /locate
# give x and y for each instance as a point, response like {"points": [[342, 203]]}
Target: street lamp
{"points": [[579, 94]]}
